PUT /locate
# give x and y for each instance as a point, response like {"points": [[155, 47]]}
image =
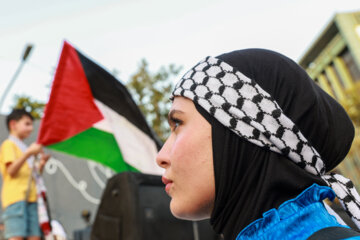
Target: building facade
{"points": [[333, 61]]}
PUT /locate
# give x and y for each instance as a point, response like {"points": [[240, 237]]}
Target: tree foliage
{"points": [[352, 104], [151, 91], [34, 107]]}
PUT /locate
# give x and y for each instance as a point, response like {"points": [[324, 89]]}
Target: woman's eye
{"points": [[175, 123]]}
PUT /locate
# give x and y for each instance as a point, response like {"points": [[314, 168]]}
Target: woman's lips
{"points": [[168, 183]]}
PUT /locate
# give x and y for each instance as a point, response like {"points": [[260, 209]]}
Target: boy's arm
{"points": [[12, 168]]}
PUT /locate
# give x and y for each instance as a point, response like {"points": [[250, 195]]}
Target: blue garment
{"points": [[297, 218], [21, 220]]}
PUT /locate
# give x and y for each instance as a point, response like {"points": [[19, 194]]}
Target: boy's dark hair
{"points": [[16, 115]]}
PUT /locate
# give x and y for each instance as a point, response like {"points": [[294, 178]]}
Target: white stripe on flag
{"points": [[137, 148], [103, 125]]}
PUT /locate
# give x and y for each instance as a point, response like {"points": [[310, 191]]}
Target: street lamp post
{"points": [[18, 70]]}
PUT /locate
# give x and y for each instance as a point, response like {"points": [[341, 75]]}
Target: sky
{"points": [[118, 34]]}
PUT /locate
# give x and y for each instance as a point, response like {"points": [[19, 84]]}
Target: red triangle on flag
{"points": [[71, 108]]}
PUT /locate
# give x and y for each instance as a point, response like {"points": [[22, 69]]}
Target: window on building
{"points": [[338, 76], [351, 65]]}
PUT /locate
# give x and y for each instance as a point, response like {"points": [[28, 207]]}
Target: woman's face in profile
{"points": [[188, 162]]}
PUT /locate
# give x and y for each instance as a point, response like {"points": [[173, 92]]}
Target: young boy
{"points": [[18, 194]]}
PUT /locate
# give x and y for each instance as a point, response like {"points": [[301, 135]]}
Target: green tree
{"points": [[151, 91], [36, 108]]}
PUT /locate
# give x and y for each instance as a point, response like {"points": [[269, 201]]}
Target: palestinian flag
{"points": [[91, 115]]}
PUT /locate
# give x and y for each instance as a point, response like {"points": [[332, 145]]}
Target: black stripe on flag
{"points": [[108, 90]]}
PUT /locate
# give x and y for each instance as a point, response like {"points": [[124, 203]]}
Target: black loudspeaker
{"points": [[83, 234], [134, 206]]}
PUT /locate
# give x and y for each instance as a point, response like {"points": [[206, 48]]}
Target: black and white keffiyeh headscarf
{"points": [[246, 102]]}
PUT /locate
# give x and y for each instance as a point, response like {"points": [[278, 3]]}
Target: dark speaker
{"points": [[134, 206], [83, 234]]}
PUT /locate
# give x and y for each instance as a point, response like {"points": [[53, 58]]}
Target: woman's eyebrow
{"points": [[171, 114]]}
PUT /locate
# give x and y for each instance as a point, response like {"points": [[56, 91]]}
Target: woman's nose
{"points": [[163, 156]]}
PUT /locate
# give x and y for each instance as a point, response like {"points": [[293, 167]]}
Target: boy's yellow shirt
{"points": [[14, 188]]}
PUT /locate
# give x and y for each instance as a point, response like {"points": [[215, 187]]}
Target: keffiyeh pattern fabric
{"points": [[241, 105]]}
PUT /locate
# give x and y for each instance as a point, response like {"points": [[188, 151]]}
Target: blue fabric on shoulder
{"points": [[297, 218]]}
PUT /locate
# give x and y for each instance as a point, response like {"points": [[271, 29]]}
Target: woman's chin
{"points": [[186, 212]]}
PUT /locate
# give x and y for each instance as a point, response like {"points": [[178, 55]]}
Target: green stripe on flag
{"points": [[95, 145]]}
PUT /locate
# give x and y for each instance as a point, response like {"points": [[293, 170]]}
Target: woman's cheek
{"points": [[181, 145]]}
